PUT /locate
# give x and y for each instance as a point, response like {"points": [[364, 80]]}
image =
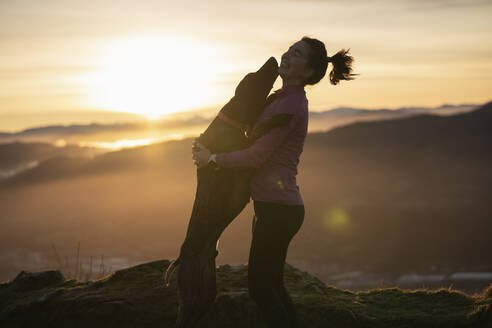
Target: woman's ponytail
{"points": [[342, 66]]}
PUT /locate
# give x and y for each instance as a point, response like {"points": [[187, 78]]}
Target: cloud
{"points": [[41, 71], [409, 4], [444, 4]]}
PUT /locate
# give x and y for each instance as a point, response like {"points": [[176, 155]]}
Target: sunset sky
{"points": [[76, 61]]}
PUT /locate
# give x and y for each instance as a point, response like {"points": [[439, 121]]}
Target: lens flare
{"points": [[336, 220]]}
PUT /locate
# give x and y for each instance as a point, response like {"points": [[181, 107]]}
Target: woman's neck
{"points": [[286, 83]]}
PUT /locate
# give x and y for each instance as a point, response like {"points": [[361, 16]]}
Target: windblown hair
{"points": [[318, 60]]}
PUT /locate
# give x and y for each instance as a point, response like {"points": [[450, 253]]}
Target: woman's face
{"points": [[293, 66]]}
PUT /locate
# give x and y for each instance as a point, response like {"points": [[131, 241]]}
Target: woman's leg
{"points": [[274, 226]]}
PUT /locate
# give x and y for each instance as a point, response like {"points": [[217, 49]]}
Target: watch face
{"points": [[213, 165]]}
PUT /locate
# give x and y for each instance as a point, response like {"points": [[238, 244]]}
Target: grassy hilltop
{"points": [[137, 297]]}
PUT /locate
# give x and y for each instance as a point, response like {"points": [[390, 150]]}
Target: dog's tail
{"points": [[169, 272]]}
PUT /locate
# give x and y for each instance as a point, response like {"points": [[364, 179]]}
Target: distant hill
{"points": [[467, 132], [136, 297], [319, 121], [12, 154], [65, 165], [51, 133], [392, 113]]}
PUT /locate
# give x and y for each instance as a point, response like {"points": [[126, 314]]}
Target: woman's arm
{"points": [[258, 153]]}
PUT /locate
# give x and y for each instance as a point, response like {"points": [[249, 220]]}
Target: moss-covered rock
{"points": [[137, 297]]}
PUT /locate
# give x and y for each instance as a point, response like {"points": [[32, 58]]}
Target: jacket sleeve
{"points": [[258, 153]]}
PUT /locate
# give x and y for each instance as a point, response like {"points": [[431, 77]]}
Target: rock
{"points": [[27, 280]]}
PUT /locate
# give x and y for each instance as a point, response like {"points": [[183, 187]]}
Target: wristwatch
{"points": [[213, 162]]}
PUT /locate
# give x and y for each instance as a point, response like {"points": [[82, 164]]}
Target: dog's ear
{"points": [[266, 126]]}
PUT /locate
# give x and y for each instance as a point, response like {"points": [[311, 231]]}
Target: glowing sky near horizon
{"points": [[159, 57]]}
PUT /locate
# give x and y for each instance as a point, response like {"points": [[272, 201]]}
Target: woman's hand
{"points": [[200, 153]]}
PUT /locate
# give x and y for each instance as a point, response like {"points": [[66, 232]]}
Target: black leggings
{"points": [[274, 225]]}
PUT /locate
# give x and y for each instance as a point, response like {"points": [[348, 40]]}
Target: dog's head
{"points": [[250, 97], [259, 83]]}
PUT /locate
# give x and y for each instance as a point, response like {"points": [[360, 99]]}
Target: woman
{"points": [[278, 205]]}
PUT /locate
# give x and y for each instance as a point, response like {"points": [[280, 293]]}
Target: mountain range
{"points": [[319, 121]]}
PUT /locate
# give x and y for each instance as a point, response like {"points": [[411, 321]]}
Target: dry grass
{"points": [[74, 269]]}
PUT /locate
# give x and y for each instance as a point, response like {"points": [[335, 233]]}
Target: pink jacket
{"points": [[276, 154]]}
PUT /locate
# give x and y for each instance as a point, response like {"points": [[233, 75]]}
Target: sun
{"points": [[155, 76]]}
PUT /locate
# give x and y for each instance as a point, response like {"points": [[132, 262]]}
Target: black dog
{"points": [[221, 194]]}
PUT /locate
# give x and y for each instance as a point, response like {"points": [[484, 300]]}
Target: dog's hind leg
{"points": [[196, 271], [196, 282]]}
